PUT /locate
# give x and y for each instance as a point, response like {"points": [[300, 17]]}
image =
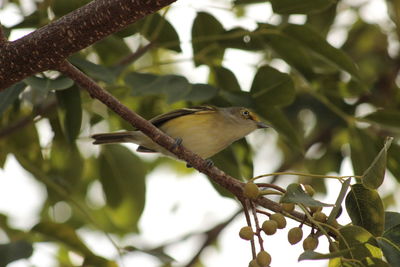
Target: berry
{"points": [[246, 233], [310, 243], [280, 220], [320, 216], [269, 227], [314, 209], [309, 189], [263, 258], [251, 190], [253, 263], [295, 235], [288, 207]]}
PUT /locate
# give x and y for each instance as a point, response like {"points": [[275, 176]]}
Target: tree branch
{"points": [[95, 91], [3, 39], [216, 175], [50, 45], [136, 55], [23, 122]]}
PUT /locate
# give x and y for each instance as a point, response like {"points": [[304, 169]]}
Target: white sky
{"points": [[195, 203]]}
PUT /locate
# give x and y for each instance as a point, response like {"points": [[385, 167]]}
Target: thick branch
{"points": [[3, 38], [50, 45]]}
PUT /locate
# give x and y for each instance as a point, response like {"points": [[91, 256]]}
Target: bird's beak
{"points": [[261, 124]]}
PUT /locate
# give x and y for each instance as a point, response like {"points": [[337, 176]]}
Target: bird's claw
{"points": [[178, 142], [209, 163]]}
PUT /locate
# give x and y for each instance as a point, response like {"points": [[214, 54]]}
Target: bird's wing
{"points": [[163, 118]]}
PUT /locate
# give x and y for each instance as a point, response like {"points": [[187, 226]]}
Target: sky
{"points": [[177, 205]]}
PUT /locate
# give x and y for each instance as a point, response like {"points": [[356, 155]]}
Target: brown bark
{"points": [[49, 46]]}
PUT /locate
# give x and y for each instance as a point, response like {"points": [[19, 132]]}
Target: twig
{"points": [[136, 55], [95, 91], [25, 121], [212, 235], [216, 175], [248, 221]]}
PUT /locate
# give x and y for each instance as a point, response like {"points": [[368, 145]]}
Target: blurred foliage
{"points": [[327, 104]]}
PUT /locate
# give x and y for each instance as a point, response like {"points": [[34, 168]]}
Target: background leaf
{"points": [[365, 209]]}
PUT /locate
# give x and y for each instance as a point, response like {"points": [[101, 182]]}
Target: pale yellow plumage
{"points": [[203, 130]]}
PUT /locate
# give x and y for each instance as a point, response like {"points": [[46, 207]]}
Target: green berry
{"points": [[246, 233], [269, 227], [288, 207], [251, 190], [310, 243], [295, 235], [280, 220], [263, 258]]}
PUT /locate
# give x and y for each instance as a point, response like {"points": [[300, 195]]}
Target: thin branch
{"points": [[95, 91], [216, 175], [25, 121], [136, 55], [212, 235]]}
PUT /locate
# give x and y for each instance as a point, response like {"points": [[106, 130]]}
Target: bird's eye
{"points": [[246, 113]]}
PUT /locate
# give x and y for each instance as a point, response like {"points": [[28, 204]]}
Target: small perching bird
{"points": [[205, 130]]}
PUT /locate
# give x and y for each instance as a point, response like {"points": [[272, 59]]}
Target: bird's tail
{"points": [[112, 138]]}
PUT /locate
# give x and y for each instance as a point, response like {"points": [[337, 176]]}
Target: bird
{"points": [[205, 130]]}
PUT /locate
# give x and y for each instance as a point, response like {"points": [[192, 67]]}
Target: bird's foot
{"points": [[178, 142], [209, 163]]}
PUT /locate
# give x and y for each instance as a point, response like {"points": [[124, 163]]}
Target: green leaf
{"points": [[363, 150], [174, 87], [60, 8], [227, 161], [271, 87], [374, 175], [122, 175], [289, 49], [360, 242], [9, 95], [312, 255], [300, 6], [338, 204], [282, 125], [311, 39], [391, 219], [242, 99], [200, 92], [67, 235], [158, 253], [225, 79], [296, 194], [111, 49], [206, 31], [243, 39], [393, 161], [70, 112], [95, 71], [386, 117], [14, 251], [391, 250], [374, 262], [158, 30], [44, 84], [365, 209]]}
